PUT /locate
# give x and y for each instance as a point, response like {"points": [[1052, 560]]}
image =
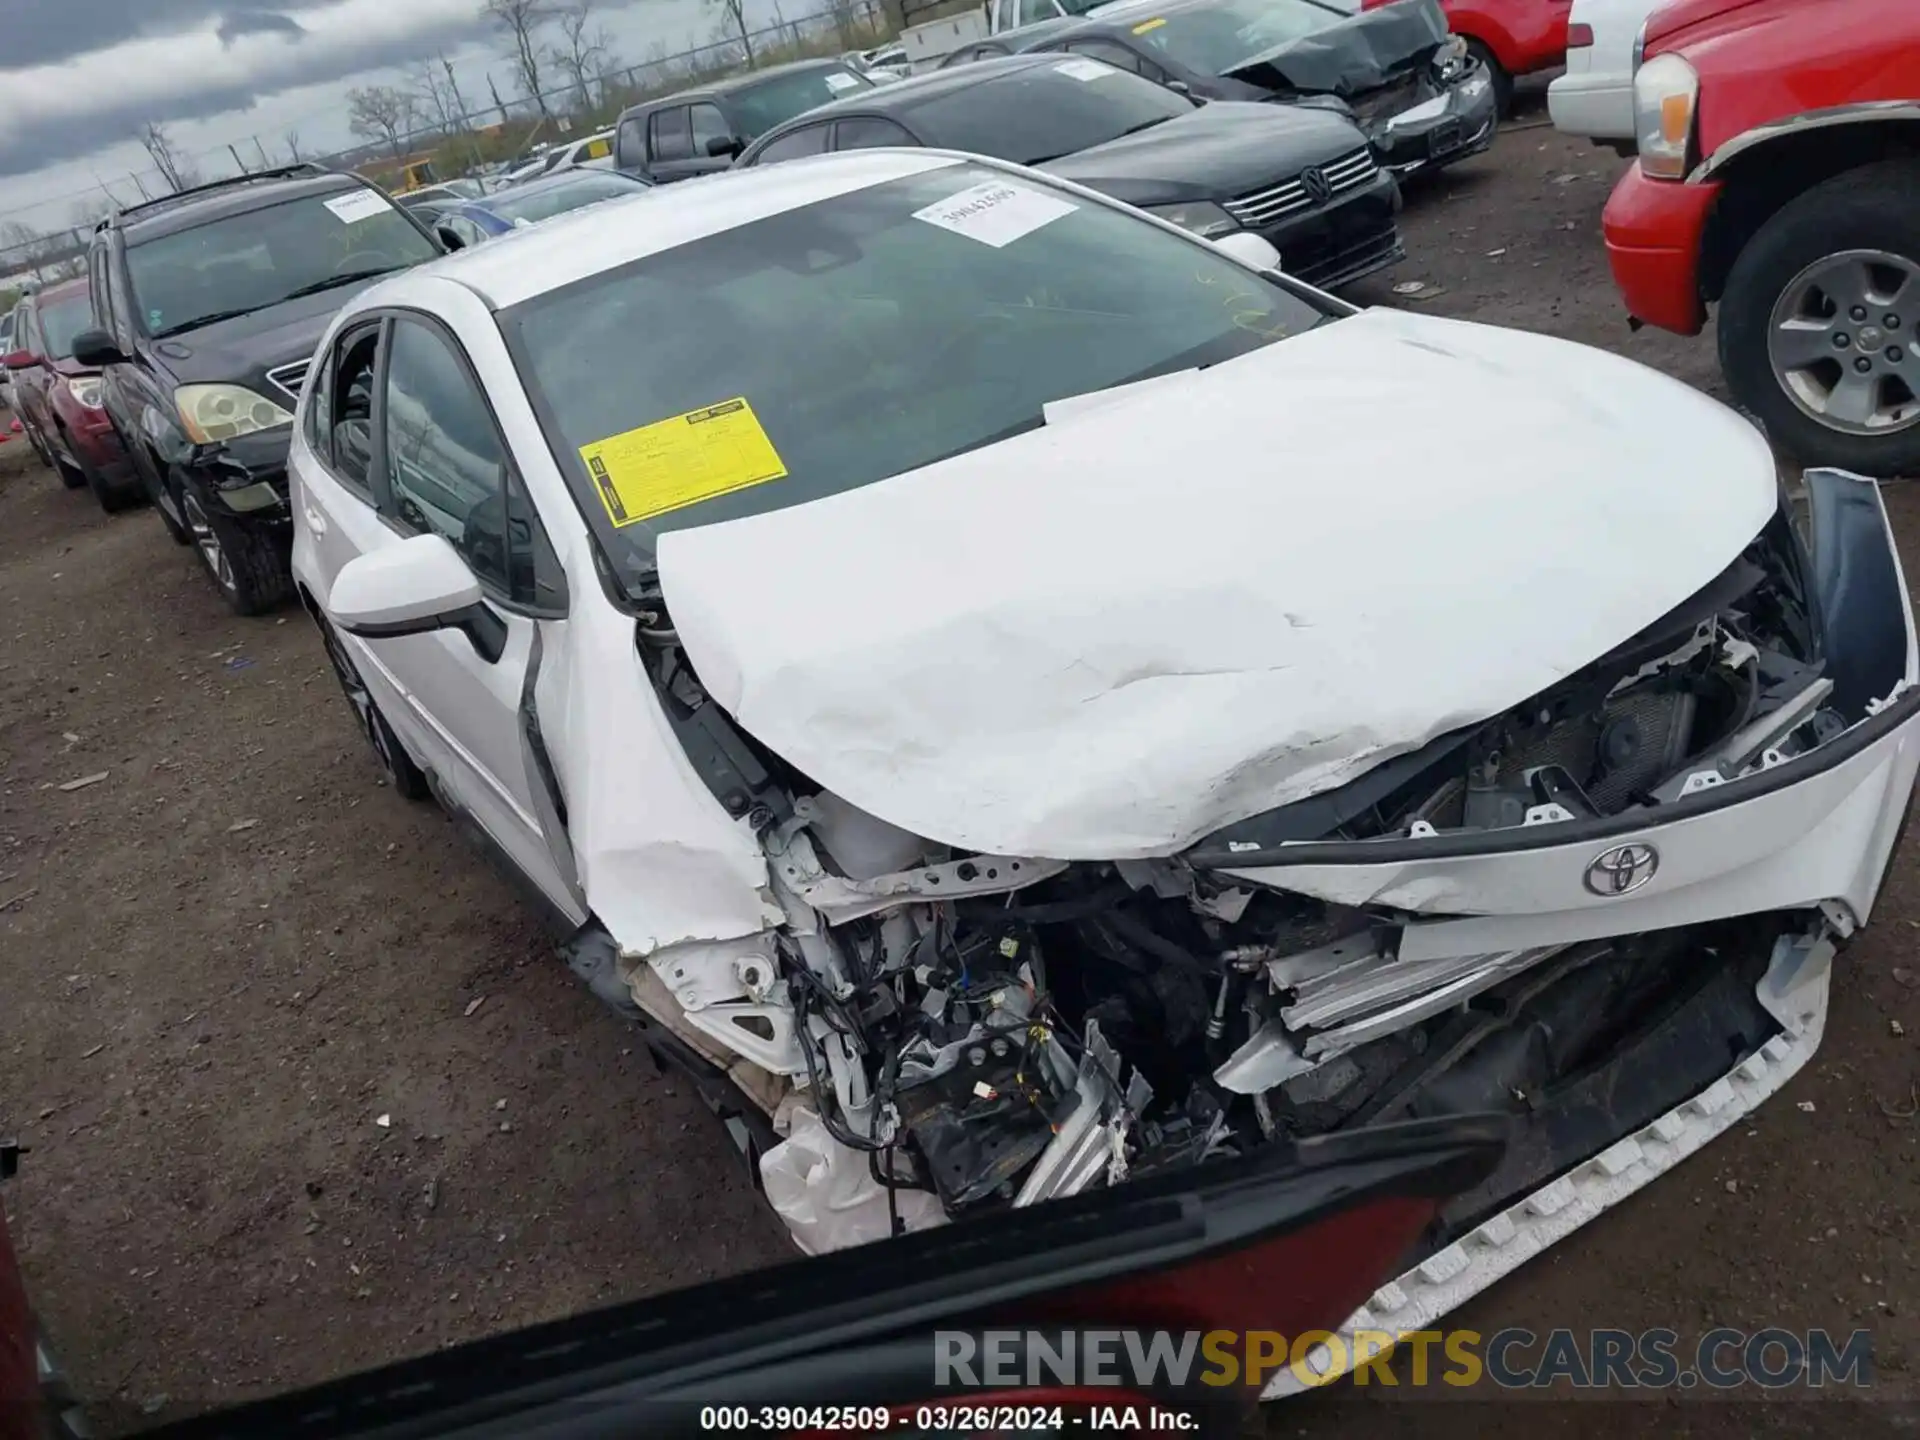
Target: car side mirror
{"points": [[725, 145], [1250, 250], [95, 350], [20, 360], [412, 588], [449, 238], [1180, 87]]}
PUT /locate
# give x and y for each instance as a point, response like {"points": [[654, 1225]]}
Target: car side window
{"points": [[1112, 52], [469, 232], [864, 132], [807, 140], [670, 134], [349, 412], [708, 124], [630, 145], [317, 395], [448, 472]]}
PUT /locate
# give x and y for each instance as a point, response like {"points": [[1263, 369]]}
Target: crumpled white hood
{"points": [[1219, 593]]}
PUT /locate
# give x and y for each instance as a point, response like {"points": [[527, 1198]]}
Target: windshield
{"points": [[1216, 35], [563, 195], [61, 320], [1045, 111], [810, 352], [758, 108], [247, 262]]}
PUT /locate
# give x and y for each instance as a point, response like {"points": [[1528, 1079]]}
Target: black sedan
{"points": [[1300, 178], [1422, 99]]}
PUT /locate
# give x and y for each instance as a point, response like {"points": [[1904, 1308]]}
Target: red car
{"points": [[1509, 37], [1779, 178], [58, 399]]}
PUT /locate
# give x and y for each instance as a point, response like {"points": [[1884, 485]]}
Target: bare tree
{"points": [[22, 247], [453, 91], [733, 23], [430, 93], [291, 139], [583, 51], [380, 112], [520, 21], [174, 167], [498, 103], [846, 21], [85, 213]]}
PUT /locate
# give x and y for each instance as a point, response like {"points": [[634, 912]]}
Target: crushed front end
{"points": [[1607, 912]]}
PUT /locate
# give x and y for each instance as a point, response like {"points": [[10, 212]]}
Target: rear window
{"points": [[808, 353], [758, 107], [1042, 112], [241, 263]]}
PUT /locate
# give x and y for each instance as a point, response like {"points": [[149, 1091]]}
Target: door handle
{"points": [[316, 522]]}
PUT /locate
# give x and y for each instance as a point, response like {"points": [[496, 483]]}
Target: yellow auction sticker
{"points": [[674, 463], [1145, 25]]}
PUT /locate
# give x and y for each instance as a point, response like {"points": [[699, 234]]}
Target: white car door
{"points": [[438, 464]]}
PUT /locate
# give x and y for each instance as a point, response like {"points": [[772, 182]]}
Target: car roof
{"points": [[731, 83], [917, 90], [553, 180], [183, 212], [557, 252]]}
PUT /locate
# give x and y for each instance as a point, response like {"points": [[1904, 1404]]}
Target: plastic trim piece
{"points": [[1794, 990]]}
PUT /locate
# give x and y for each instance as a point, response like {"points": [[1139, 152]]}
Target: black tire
{"points": [[251, 569], [113, 498], [1497, 73], [1875, 208], [407, 778]]}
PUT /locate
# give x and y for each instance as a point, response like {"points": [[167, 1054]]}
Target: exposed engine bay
{"points": [[938, 1033]]}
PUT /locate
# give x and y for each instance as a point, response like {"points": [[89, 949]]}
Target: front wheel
{"points": [[250, 568], [398, 767], [1818, 323]]}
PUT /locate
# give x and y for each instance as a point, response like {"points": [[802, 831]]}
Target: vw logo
{"points": [[1622, 870], [1316, 186]]}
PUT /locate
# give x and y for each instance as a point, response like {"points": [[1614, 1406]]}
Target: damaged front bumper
{"points": [[1575, 913], [1459, 121]]}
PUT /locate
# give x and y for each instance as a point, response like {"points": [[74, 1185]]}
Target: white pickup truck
{"points": [[931, 41]]}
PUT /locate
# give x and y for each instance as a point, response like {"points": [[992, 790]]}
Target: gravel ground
{"points": [[226, 961]]}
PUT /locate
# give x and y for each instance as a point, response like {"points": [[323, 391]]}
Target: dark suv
{"points": [[207, 306], [698, 132]]}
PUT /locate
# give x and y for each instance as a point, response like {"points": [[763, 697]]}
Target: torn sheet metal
{"points": [[1110, 636], [1351, 57]]}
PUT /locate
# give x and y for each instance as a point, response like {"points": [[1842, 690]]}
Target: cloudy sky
{"points": [[78, 78]]}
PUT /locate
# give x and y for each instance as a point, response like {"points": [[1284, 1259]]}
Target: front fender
{"points": [[1902, 113]]}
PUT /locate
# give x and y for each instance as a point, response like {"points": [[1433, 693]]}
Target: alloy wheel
{"points": [[206, 541], [1842, 345]]}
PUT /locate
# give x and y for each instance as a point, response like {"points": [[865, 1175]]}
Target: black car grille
{"points": [[1261, 208], [289, 378]]}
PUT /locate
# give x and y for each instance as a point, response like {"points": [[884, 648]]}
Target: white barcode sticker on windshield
{"points": [[838, 80], [1085, 69], [358, 205], [996, 213]]}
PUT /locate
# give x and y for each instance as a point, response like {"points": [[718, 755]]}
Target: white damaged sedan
{"points": [[1013, 696]]}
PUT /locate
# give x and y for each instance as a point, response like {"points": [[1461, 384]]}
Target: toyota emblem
{"points": [[1622, 870], [1315, 184]]}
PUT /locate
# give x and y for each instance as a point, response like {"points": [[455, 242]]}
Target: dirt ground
{"points": [[305, 1091]]}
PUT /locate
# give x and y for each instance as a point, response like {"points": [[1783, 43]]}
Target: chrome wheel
{"points": [[1842, 345], [206, 541]]}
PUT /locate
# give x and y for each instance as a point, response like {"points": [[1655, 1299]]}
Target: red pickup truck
{"points": [[1509, 37], [1779, 178]]}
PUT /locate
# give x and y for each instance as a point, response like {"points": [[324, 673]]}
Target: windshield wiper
{"points": [[346, 277], [212, 317]]}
